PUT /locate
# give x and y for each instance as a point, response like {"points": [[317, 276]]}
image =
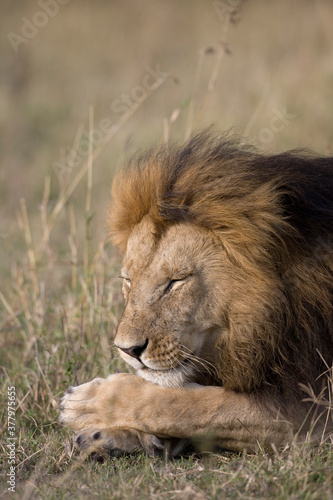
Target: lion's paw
{"points": [[100, 444], [80, 407]]}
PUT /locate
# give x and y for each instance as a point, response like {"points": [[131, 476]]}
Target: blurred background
{"points": [[139, 73]]}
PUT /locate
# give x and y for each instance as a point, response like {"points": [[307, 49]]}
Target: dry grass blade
{"points": [[79, 176], [9, 309], [89, 189]]}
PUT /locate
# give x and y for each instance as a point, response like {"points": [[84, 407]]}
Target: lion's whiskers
{"points": [[195, 360]]}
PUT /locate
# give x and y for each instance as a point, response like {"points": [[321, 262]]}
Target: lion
{"points": [[228, 286]]}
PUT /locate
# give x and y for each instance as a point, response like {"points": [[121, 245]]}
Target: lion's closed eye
{"points": [[175, 283], [126, 287], [126, 281]]}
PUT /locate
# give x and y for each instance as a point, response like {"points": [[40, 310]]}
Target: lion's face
{"points": [[169, 327]]}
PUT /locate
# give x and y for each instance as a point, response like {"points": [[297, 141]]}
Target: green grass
{"points": [[60, 294]]}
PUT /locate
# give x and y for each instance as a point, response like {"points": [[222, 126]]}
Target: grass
{"points": [[60, 293]]}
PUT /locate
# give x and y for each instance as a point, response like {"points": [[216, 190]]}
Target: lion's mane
{"points": [[274, 217]]}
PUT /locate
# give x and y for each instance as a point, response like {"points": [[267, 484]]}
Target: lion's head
{"points": [[228, 267]]}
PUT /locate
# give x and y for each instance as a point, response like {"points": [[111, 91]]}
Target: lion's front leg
{"points": [[128, 402]]}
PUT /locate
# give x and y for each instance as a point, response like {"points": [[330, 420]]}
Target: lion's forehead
{"points": [[141, 244], [176, 251]]}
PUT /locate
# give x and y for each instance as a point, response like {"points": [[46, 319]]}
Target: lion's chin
{"points": [[166, 378]]}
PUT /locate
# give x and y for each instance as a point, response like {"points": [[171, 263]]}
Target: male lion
{"points": [[228, 283]]}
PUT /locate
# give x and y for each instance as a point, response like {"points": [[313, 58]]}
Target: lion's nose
{"points": [[136, 350]]}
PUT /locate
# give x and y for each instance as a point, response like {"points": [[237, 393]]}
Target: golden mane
{"points": [[274, 217]]}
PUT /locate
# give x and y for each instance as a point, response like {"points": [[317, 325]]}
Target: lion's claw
{"points": [[100, 444]]}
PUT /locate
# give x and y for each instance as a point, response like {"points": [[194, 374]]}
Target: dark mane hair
{"points": [[274, 217]]}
